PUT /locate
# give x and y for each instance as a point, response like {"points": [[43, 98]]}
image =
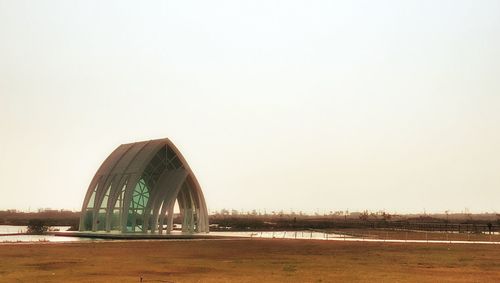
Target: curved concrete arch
{"points": [[136, 187]]}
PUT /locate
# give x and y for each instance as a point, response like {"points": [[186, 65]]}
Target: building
{"points": [[136, 188]]}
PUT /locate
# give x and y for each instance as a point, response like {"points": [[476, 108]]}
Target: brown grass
{"points": [[257, 260]]}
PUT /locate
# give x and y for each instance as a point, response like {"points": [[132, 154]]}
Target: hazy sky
{"points": [[303, 105]]}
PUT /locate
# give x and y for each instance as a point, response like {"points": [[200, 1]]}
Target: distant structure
{"points": [[135, 190]]}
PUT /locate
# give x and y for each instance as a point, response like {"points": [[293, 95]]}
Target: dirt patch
{"points": [[52, 265], [181, 270]]}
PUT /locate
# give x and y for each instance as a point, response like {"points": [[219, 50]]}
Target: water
{"points": [[304, 235], [11, 229], [282, 235], [42, 239]]}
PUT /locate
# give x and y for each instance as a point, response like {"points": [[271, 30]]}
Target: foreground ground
{"points": [[256, 260]]}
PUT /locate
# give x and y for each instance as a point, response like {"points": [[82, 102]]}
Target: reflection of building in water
{"points": [[136, 188]]}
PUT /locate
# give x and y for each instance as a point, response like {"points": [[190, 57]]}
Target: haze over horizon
{"points": [[276, 105]]}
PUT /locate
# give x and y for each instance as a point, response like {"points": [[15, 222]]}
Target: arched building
{"points": [[136, 188]]}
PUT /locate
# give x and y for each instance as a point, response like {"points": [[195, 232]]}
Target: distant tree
{"points": [[36, 227], [386, 216], [364, 215]]}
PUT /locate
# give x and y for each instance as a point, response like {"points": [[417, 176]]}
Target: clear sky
{"points": [[303, 105]]}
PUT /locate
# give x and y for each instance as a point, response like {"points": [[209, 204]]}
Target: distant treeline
{"points": [[457, 222], [460, 222], [287, 222], [49, 217]]}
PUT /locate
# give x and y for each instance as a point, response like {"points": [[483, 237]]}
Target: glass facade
{"points": [[116, 214], [87, 222], [145, 201], [137, 208]]}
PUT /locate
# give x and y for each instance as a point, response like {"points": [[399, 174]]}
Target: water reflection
{"points": [[42, 239], [6, 236], [282, 235], [304, 235], [7, 229], [12, 229]]}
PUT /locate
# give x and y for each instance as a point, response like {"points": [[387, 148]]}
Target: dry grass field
{"points": [[257, 260]]}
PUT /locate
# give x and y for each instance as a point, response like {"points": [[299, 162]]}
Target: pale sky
{"points": [[303, 105]]}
